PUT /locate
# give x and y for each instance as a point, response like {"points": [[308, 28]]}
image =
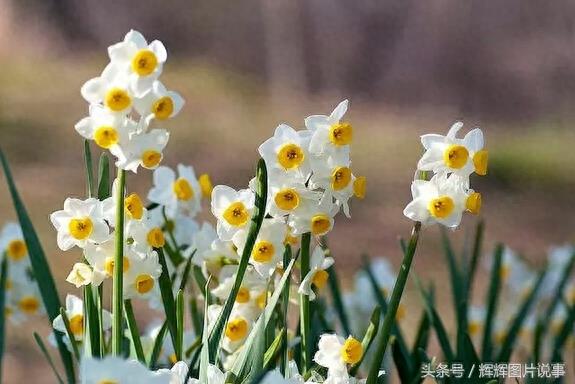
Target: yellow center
{"points": [[206, 185], [291, 240], [151, 158], [340, 178], [441, 207], [341, 134], [156, 238], [77, 324], [183, 190], [236, 329], [290, 156], [243, 295], [473, 328], [261, 300], [320, 279], [359, 187], [144, 283], [473, 203], [144, 62], [263, 252], [29, 305], [109, 265], [163, 108], [117, 99], [504, 272], [287, 199], [108, 381], [455, 156], [106, 136], [80, 228], [16, 250], [351, 351], [236, 214], [401, 312], [480, 160], [134, 206], [320, 224]]}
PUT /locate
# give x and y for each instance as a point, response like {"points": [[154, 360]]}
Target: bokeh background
{"points": [[409, 67]]}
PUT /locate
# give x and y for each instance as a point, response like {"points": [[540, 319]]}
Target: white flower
{"points": [[80, 222], [111, 88], [159, 103], [475, 320], [176, 194], [314, 218], [143, 149], [81, 274], [143, 235], [317, 275], [141, 61], [287, 193], [75, 314], [335, 353], [12, 243], [237, 328], [439, 200], [215, 376], [450, 154], [252, 293], [286, 151], [329, 133], [105, 128], [141, 277], [232, 208], [112, 369]]}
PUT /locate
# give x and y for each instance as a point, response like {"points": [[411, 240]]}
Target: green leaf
{"points": [[71, 337], [157, 348], [563, 336], [492, 298], [3, 279], [256, 222], [402, 364], [421, 342], [284, 314], [335, 290], [304, 306], [180, 325], [167, 294], [197, 319], [476, 254], [104, 177], [274, 350], [186, 273], [118, 275], [368, 338], [46, 354], [91, 324], [40, 267], [205, 351], [134, 331], [89, 169], [200, 279]]}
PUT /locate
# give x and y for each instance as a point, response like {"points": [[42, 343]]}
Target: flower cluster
{"points": [[445, 197]]}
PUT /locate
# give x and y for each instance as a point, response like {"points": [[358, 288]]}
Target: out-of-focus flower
{"points": [[182, 193], [317, 276]]}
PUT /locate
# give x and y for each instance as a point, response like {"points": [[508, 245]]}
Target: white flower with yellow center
{"points": [[450, 154], [317, 276], [80, 222], [238, 326], [105, 128], [214, 376], [143, 235], [75, 314], [287, 151], [101, 258], [142, 276], [475, 321], [143, 62], [314, 218], [329, 133], [232, 208], [159, 103], [115, 370], [336, 353], [268, 248], [134, 209], [251, 293], [112, 89], [82, 274], [24, 297], [439, 200], [287, 194], [176, 193], [12, 244], [143, 149]]}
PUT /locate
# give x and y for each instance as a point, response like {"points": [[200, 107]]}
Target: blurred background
{"points": [[408, 67]]}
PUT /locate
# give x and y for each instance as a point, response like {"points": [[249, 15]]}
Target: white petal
{"points": [[339, 111], [159, 50]]}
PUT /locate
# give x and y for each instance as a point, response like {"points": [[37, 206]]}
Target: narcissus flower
{"points": [[232, 208], [75, 314], [317, 276], [112, 369], [329, 133], [112, 89], [268, 248], [143, 149], [287, 194], [140, 278], [79, 223], [317, 219], [81, 274], [181, 192], [159, 103], [12, 243], [105, 128], [336, 353], [286, 151]]}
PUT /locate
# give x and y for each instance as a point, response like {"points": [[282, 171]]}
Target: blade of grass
{"points": [[157, 348], [368, 338], [118, 275], [46, 354], [197, 319], [186, 273], [40, 267], [492, 298], [335, 289], [167, 294], [89, 169], [134, 331], [205, 351]]}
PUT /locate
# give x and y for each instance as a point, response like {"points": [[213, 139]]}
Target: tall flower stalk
{"points": [[304, 307], [117, 284]]}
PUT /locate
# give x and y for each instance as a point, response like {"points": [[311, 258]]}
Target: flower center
{"points": [[80, 228], [16, 250], [29, 305], [261, 300], [473, 328], [106, 136], [206, 185], [441, 207], [109, 265], [236, 214], [263, 252], [151, 158], [290, 156], [77, 325], [156, 238], [236, 329], [480, 160], [243, 295], [320, 278], [107, 381], [455, 156], [287, 199], [134, 206], [473, 203], [163, 108], [340, 178], [504, 272], [144, 283], [351, 351], [117, 99], [144, 62], [359, 187], [320, 224], [182, 189], [341, 134]]}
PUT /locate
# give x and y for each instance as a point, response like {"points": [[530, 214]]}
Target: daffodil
{"points": [[287, 151], [80, 222], [111, 89], [475, 320], [113, 369], [141, 276], [329, 133], [175, 193], [232, 208], [144, 149], [318, 275], [454, 155], [159, 103], [251, 295], [75, 313], [336, 353], [141, 61], [288, 193], [82, 274], [237, 328], [143, 235], [314, 218], [12, 244], [105, 128]]}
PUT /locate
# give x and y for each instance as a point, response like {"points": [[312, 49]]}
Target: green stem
{"points": [[389, 318], [134, 332], [304, 308], [117, 288]]}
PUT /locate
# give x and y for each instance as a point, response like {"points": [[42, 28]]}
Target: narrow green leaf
{"points": [[89, 169], [475, 256], [180, 325], [274, 350], [134, 331], [421, 342], [165, 283], [200, 279], [402, 364], [186, 273], [564, 333], [157, 348], [197, 319], [104, 177], [335, 290], [91, 324], [304, 307], [205, 351], [118, 275], [258, 350], [284, 362], [3, 279], [71, 337], [46, 354], [492, 298], [368, 338], [173, 249], [40, 267]]}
